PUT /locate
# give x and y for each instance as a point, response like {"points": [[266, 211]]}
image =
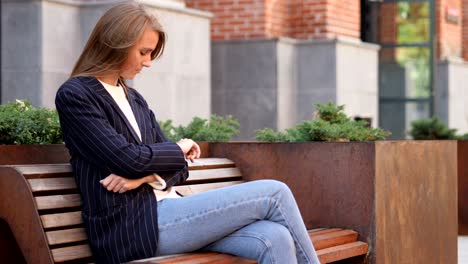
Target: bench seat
{"points": [[332, 244], [42, 206]]}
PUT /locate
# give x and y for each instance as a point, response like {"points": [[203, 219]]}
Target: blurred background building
{"points": [[266, 62]]}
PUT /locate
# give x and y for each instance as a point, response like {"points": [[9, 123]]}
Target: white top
{"points": [[120, 98]]}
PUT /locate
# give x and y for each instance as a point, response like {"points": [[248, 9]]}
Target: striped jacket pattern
{"points": [[101, 141]]}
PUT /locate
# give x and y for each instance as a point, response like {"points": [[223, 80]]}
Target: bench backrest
{"points": [[54, 199]]}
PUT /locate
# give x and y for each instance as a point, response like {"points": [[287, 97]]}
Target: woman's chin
{"points": [[129, 77]]}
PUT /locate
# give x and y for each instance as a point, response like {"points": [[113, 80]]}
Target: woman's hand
{"points": [[115, 183], [190, 148]]}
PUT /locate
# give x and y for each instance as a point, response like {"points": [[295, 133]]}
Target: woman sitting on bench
{"points": [[116, 145]]}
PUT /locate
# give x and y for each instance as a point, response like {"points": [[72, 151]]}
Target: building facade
{"points": [[415, 70], [266, 62]]}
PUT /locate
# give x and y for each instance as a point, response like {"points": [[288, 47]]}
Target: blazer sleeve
{"points": [[170, 178], [160, 136], [89, 133]]}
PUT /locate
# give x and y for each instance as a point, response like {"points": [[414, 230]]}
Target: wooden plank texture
{"points": [[58, 201], [210, 163], [66, 236], [331, 239], [60, 220], [62, 183], [320, 231], [52, 184], [213, 174], [340, 252], [71, 253], [43, 168], [206, 257], [199, 164]]}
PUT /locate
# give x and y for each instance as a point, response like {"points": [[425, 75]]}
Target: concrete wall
{"points": [[317, 76], [357, 78], [178, 85], [41, 41], [451, 95], [61, 43], [244, 81], [276, 83], [288, 89], [21, 50]]}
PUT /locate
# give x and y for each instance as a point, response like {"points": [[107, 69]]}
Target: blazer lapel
{"points": [[138, 111], [103, 92]]}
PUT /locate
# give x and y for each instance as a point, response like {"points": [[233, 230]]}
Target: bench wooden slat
{"points": [[66, 236], [43, 168], [58, 201], [60, 220], [213, 174], [71, 253], [199, 164], [319, 231], [198, 188], [52, 184], [333, 239], [345, 251], [205, 257], [68, 183], [210, 163]]}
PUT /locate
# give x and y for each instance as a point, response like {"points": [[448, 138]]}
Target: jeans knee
{"points": [[281, 239], [278, 246], [277, 186]]}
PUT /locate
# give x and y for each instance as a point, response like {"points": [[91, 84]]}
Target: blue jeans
{"points": [[257, 220]]}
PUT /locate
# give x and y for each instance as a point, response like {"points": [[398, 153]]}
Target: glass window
{"points": [[405, 64]]}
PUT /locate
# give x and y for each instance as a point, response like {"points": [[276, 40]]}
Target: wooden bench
{"points": [[42, 206]]}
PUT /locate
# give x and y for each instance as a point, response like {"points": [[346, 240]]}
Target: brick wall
{"points": [[343, 17], [449, 34], [320, 19], [300, 19], [465, 29], [234, 19], [388, 30]]}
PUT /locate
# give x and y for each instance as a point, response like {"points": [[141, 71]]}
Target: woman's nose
{"points": [[147, 63]]}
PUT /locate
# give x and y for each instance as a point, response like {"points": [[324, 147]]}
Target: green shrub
{"points": [[269, 135], [216, 129], [168, 129], [331, 124], [21, 123], [432, 128]]}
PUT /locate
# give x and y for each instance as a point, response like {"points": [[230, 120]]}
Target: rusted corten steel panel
{"points": [[33, 154], [399, 195], [9, 249], [416, 202], [22, 218], [463, 187], [333, 183]]}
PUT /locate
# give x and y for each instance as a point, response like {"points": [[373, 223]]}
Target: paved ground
{"points": [[463, 250]]}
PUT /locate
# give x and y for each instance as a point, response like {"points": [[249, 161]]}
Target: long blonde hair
{"points": [[114, 34]]}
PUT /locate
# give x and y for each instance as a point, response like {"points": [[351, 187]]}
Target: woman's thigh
{"points": [[264, 241], [192, 222]]}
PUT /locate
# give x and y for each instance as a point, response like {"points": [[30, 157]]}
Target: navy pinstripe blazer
{"points": [[120, 227]]}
